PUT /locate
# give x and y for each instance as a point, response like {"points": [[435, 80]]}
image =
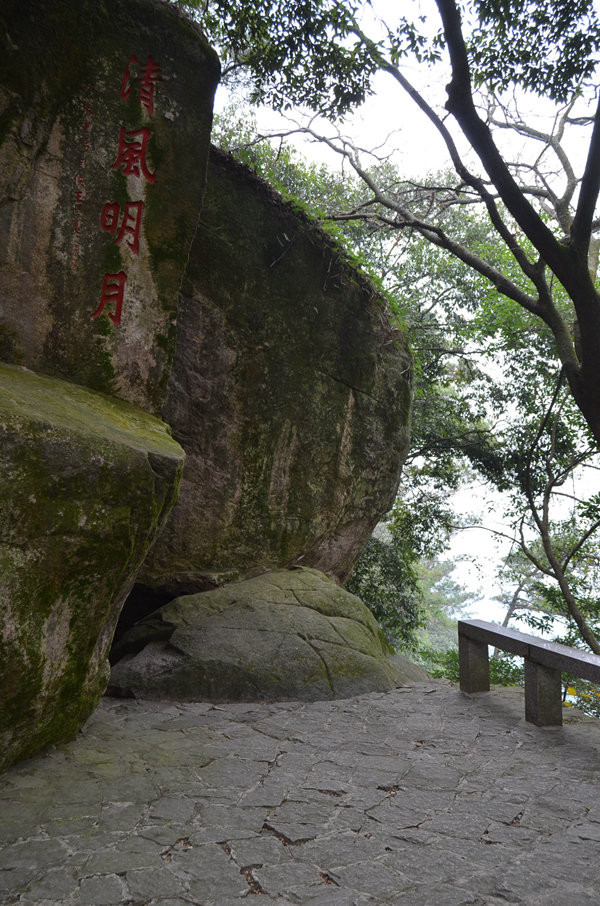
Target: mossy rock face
{"points": [[287, 634], [86, 482], [290, 394], [106, 111]]}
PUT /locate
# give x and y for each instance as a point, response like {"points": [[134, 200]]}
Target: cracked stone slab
{"points": [[394, 799]]}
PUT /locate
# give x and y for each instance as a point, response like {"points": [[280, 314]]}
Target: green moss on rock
{"points": [[287, 634], [86, 482]]}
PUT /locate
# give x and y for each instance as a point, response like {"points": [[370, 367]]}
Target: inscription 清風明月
{"points": [[124, 222]]}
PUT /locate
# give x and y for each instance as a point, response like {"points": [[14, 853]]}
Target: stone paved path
{"points": [[419, 796]]}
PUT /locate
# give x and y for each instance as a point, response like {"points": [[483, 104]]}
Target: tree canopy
{"points": [[465, 421], [526, 227], [324, 55], [315, 53]]}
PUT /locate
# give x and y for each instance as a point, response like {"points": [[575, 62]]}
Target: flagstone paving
{"points": [[422, 796]]}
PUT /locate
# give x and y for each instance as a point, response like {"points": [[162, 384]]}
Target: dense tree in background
{"points": [[385, 578], [539, 247], [324, 55], [456, 326], [428, 296], [449, 437], [557, 507]]}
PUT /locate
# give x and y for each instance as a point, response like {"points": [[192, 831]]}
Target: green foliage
{"points": [[580, 694], [551, 469], [415, 600], [313, 53], [545, 47], [443, 600], [440, 664], [299, 52], [441, 593], [479, 360], [504, 671], [385, 579]]}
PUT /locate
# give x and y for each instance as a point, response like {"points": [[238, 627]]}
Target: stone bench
{"points": [[544, 662]]}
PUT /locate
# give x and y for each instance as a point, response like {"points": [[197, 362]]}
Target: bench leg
{"points": [[474, 664], [543, 695]]}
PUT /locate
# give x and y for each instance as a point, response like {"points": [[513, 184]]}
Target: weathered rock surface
{"points": [[106, 110], [85, 484], [290, 394], [236, 319], [288, 634]]}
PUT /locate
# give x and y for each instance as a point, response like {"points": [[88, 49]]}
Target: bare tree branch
{"points": [[588, 196]]}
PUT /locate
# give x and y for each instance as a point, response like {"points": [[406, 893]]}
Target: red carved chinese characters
{"points": [[126, 84], [131, 157], [150, 74], [124, 223], [130, 224], [80, 188], [109, 218], [113, 289]]}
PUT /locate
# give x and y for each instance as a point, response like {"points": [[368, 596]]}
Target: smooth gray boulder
{"points": [[86, 483], [287, 634]]}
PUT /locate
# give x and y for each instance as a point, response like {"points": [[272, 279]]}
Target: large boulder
{"points": [[106, 110], [290, 394], [85, 485], [287, 634], [234, 317]]}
